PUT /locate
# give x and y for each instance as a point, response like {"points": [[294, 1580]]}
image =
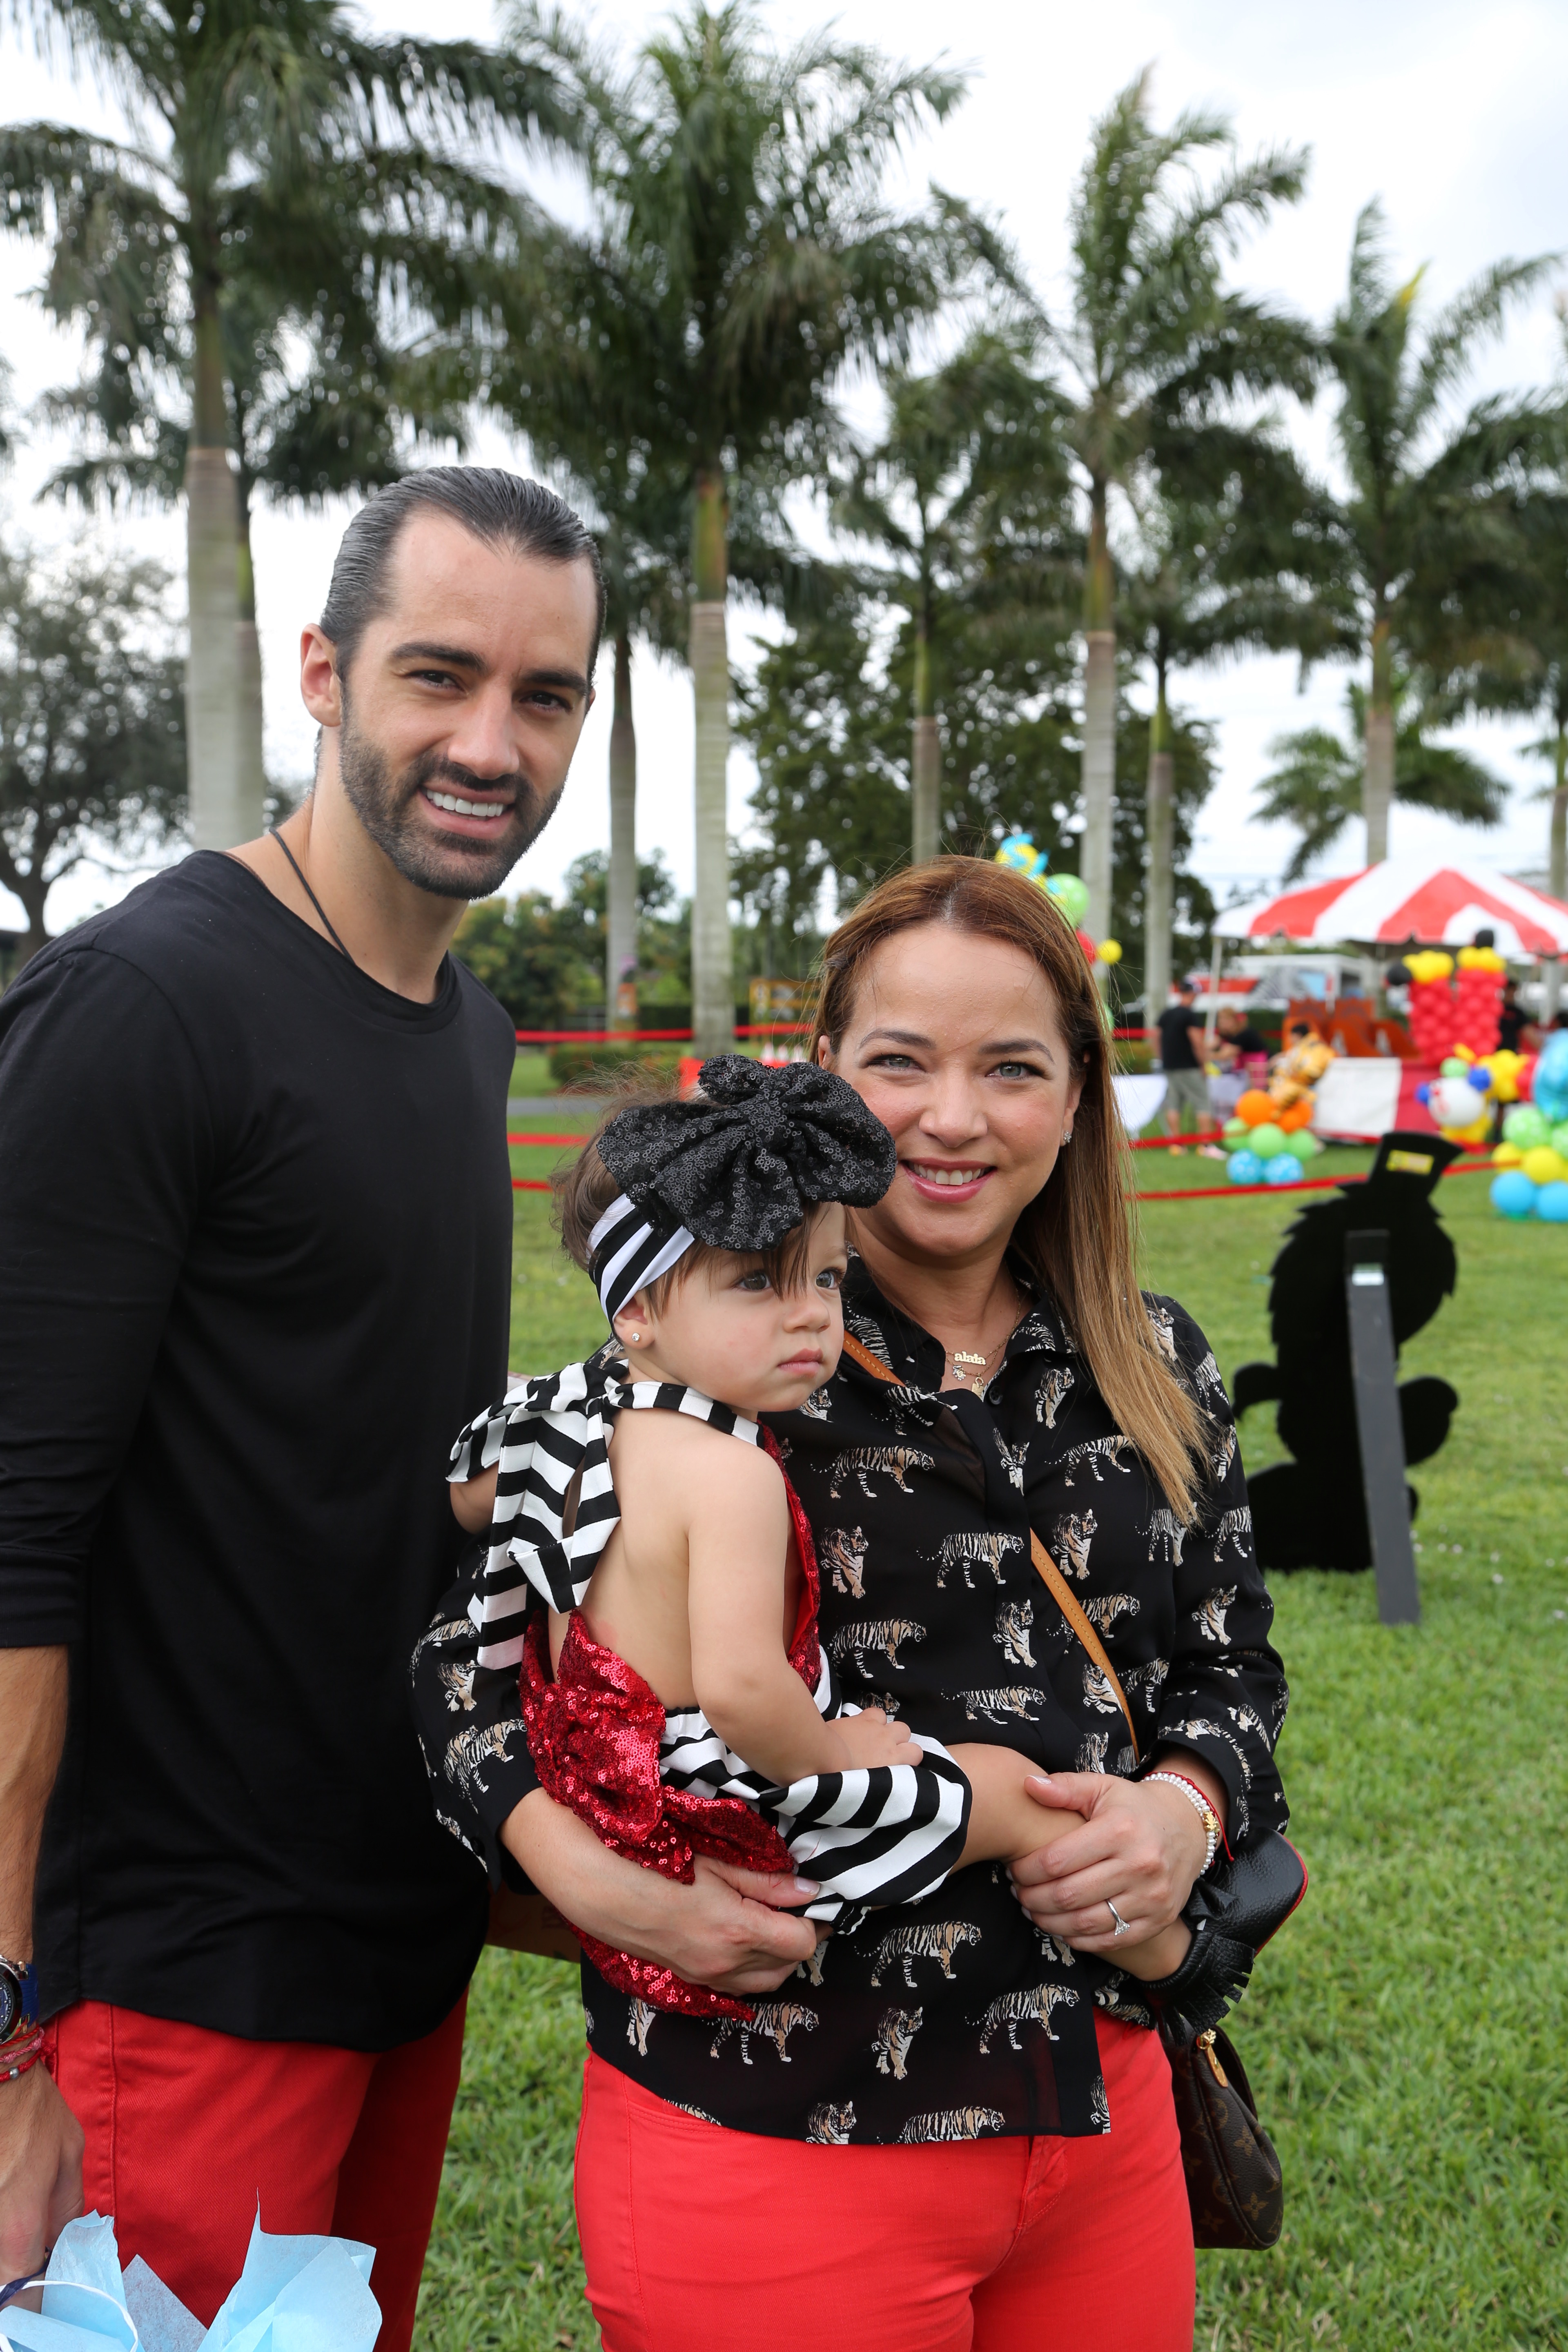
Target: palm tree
{"points": [[1230, 561], [321, 402], [254, 122], [966, 480], [1430, 554], [1155, 351], [1320, 786], [741, 182]]}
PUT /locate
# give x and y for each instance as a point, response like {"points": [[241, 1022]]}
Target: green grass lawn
{"points": [[1406, 2035]]}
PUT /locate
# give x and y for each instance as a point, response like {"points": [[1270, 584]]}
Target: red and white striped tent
{"points": [[1403, 903]]}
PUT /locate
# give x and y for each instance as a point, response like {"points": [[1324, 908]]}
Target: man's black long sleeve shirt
{"points": [[254, 1252]]}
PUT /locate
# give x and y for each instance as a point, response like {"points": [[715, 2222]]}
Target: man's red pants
{"points": [[696, 2236], [188, 2130]]}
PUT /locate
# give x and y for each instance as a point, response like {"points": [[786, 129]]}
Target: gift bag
{"points": [[294, 2295]]}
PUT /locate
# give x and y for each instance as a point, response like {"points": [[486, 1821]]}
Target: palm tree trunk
{"points": [[1377, 788], [621, 944], [925, 749], [1557, 864], [712, 979], [248, 657], [1158, 885], [1099, 722], [212, 562]]}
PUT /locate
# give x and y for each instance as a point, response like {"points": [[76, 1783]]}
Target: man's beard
{"points": [[455, 866]]}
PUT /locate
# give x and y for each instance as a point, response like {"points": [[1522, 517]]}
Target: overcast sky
{"points": [[1450, 113]]}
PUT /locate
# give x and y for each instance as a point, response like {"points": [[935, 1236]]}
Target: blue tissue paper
{"points": [[294, 2295]]}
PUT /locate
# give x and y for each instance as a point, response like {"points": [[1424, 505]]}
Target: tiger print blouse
{"points": [[954, 2017]]}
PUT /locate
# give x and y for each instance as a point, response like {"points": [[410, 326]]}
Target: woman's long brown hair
{"points": [[1077, 1236]]}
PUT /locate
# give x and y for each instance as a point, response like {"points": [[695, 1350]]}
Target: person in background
{"points": [[1180, 1052], [257, 1208], [1517, 1033]]}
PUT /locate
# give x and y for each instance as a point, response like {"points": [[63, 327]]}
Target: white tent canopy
{"points": [[1405, 902]]}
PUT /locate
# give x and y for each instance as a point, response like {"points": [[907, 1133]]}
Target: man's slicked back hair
{"points": [[501, 509]]}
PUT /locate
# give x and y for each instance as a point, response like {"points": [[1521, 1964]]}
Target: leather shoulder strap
{"points": [[1066, 1601], [1050, 1575]]}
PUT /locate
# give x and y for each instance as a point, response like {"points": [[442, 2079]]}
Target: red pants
{"points": [[693, 2235], [186, 2129]]}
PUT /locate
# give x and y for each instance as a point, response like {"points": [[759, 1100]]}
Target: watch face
{"points": [[10, 2004]]}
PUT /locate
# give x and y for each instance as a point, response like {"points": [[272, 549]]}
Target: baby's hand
{"points": [[869, 1740]]}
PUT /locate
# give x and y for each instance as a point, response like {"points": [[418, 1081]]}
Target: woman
{"points": [[1004, 1380]]}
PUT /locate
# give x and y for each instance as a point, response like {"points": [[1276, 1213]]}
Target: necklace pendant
{"points": [[978, 1385], [962, 1355]]}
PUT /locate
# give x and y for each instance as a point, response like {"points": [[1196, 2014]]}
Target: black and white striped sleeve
{"points": [[869, 1837]]}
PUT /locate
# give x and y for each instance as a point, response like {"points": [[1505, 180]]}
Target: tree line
{"points": [[320, 258]]}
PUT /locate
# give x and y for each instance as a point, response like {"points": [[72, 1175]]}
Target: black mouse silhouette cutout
{"points": [[1311, 1512]]}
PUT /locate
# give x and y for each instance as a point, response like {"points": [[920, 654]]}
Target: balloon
{"points": [[1269, 1139], [1558, 1138], [1480, 1077], [1110, 951], [1295, 1115], [1245, 1168], [1525, 1126], [1453, 1103], [1549, 1090], [1283, 1168], [1507, 1070], [1305, 1144], [1543, 1166], [1513, 1193], [1551, 1204], [1236, 1133], [1087, 944], [1507, 1155], [1019, 856], [1453, 1066], [1255, 1107], [1071, 894]]}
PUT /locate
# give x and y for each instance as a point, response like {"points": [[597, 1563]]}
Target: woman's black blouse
{"points": [[956, 2018]]}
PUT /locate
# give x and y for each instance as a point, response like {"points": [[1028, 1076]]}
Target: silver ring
{"points": [[1122, 1923]]}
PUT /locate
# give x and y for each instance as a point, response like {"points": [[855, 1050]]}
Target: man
{"points": [[257, 1217], [1180, 1052]]}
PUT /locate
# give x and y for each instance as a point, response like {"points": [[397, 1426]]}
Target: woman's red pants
{"points": [[697, 2236]]}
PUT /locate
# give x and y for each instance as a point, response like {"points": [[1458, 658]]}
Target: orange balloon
{"points": [[1295, 1115], [1256, 1108]]}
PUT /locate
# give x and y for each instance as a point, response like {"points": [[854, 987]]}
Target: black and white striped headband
{"points": [[630, 1247]]}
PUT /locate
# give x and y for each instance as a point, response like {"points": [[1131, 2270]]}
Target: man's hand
{"points": [[1140, 1847], [726, 1930], [40, 2171]]}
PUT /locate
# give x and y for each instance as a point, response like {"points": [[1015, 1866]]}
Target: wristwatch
{"points": [[18, 1998]]}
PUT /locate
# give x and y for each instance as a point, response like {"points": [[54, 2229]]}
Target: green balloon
{"points": [[1456, 1067], [1071, 894], [1524, 1125], [1236, 1133], [1304, 1143], [1558, 1138], [1269, 1139]]}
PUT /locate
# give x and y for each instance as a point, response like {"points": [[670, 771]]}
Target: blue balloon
{"points": [[1245, 1168], [1423, 1092], [1513, 1192], [1283, 1168], [1481, 1080], [1551, 1204], [1549, 1090]]}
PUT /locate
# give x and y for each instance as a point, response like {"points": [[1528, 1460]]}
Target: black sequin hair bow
{"points": [[739, 1166]]}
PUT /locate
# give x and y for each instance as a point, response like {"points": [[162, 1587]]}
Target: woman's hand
{"points": [[1140, 1847], [724, 1930]]}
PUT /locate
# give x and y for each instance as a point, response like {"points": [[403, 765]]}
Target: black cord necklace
{"points": [[327, 920]]}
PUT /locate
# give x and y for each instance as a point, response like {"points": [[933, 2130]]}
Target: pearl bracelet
{"points": [[1194, 1796]]}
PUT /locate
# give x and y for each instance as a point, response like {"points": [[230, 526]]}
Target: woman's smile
{"points": [[937, 1180]]}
